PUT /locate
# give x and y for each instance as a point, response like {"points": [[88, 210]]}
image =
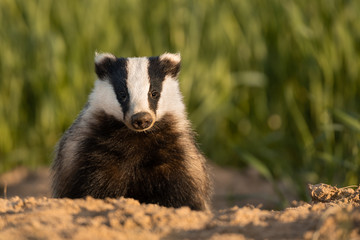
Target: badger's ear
{"points": [[171, 63], [103, 63]]}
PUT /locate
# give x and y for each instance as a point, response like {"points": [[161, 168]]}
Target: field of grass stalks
{"points": [[270, 84]]}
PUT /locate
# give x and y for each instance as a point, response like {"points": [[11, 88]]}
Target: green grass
{"points": [[270, 84]]}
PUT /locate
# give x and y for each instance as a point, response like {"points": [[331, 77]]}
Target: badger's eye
{"points": [[154, 94], [122, 96]]}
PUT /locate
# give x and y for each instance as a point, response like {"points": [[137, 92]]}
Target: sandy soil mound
{"points": [[27, 212], [46, 218]]}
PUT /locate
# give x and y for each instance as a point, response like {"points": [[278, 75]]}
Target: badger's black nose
{"points": [[141, 120]]}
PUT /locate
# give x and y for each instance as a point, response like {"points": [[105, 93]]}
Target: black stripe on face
{"points": [[156, 75], [157, 71], [116, 71], [118, 80]]}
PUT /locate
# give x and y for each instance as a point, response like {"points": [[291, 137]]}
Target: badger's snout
{"points": [[141, 121]]}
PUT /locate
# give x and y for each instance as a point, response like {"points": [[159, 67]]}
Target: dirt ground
{"points": [[27, 212]]}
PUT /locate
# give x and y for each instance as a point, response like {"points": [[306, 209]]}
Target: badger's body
{"points": [[133, 138]]}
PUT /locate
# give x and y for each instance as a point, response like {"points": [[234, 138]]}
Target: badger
{"points": [[133, 138]]}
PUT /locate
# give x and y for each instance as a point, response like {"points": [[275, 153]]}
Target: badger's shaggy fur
{"points": [[133, 138]]}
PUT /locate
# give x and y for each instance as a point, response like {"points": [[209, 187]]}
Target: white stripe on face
{"points": [[138, 85], [103, 98], [170, 100]]}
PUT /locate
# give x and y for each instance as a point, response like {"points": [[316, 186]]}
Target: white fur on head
{"points": [[138, 86], [170, 100], [173, 57], [171, 97], [103, 98], [99, 57]]}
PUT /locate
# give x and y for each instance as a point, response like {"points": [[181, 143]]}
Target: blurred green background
{"points": [[268, 84]]}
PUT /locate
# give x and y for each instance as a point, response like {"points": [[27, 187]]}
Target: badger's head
{"points": [[137, 91]]}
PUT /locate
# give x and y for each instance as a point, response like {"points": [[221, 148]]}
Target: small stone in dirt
{"points": [[325, 193]]}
